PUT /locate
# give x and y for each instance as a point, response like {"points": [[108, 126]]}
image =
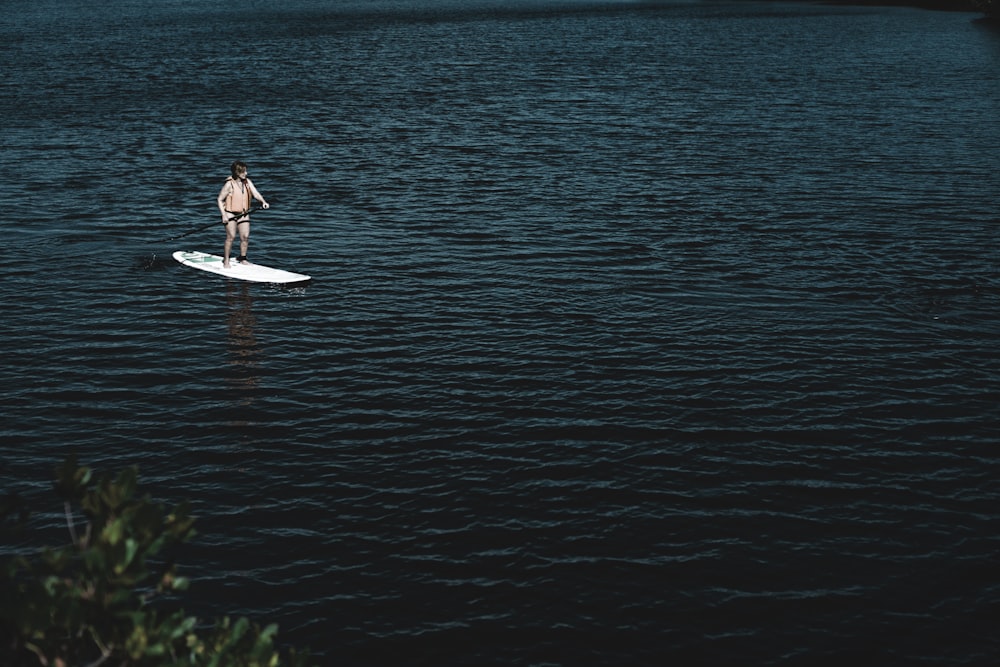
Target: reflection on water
{"points": [[242, 343]]}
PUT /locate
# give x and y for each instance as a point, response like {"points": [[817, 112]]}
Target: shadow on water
{"points": [[151, 262]]}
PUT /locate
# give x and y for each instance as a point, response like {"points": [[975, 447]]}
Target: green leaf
{"points": [[112, 533], [137, 642], [51, 584], [269, 632], [131, 547], [240, 629]]}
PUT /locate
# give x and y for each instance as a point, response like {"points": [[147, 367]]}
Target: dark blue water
{"points": [[640, 333]]}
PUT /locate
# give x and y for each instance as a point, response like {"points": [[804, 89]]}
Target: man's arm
{"points": [[257, 195], [223, 195]]}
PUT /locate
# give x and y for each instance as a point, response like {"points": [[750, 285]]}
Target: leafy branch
{"points": [[109, 597]]}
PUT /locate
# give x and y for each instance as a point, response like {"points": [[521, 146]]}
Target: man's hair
{"points": [[238, 167]]}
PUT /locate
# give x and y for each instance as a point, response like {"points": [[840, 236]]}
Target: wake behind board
{"points": [[256, 273]]}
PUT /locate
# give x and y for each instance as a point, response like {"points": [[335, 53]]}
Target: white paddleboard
{"points": [[256, 273]]}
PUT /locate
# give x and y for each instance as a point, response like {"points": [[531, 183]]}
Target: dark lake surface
{"points": [[639, 333]]}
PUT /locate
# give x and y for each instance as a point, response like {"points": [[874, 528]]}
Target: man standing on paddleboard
{"points": [[234, 203]]}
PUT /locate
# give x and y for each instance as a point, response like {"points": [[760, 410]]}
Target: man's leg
{"points": [[230, 237], [244, 238]]}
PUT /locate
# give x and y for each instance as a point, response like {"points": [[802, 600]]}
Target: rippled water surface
{"points": [[639, 333]]}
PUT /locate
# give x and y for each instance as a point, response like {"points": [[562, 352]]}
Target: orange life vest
{"points": [[239, 198]]}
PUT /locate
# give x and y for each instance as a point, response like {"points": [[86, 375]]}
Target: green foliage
{"points": [[989, 7], [110, 596]]}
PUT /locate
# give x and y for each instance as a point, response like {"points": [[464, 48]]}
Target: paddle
{"points": [[213, 224]]}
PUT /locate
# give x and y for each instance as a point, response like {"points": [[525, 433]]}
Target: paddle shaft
{"points": [[213, 224]]}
